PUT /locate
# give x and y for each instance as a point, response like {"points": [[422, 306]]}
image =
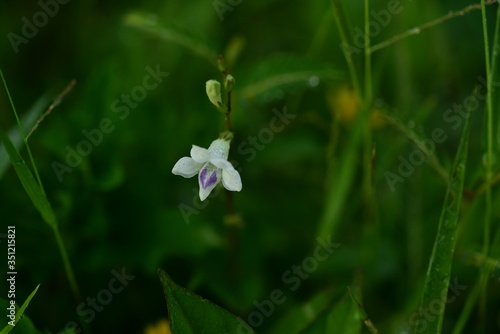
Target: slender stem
{"points": [[67, 265], [368, 147], [228, 113], [231, 219], [70, 275], [489, 160], [488, 184], [417, 30], [56, 102], [337, 14]]}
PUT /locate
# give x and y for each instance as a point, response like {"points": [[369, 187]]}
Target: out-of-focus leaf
{"points": [[283, 73], [190, 314], [172, 33], [343, 318], [299, 317]]}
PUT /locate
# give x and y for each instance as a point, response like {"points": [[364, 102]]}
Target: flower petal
{"points": [[208, 178], [186, 167], [231, 179], [219, 149], [221, 163], [199, 154]]}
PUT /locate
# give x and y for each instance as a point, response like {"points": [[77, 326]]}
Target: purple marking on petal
{"points": [[202, 177], [211, 180], [207, 182]]}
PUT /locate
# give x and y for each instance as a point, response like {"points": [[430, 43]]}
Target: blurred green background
{"points": [[119, 208]]}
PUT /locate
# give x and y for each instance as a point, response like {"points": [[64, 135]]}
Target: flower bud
{"points": [[213, 92], [229, 83], [221, 64]]}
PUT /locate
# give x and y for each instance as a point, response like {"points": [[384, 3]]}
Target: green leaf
{"points": [[172, 33], [27, 121], [343, 318], [284, 73], [29, 183], [190, 314], [300, 316], [340, 182], [438, 272], [24, 326]]}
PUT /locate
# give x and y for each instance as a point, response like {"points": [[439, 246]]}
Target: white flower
{"points": [[211, 166], [213, 91]]}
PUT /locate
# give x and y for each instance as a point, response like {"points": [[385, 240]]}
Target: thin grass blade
{"points": [[28, 181], [20, 312], [438, 273]]}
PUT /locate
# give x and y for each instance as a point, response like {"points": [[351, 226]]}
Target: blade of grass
{"points": [[432, 159], [489, 163], [35, 170], [34, 189], [368, 145], [341, 26], [29, 183], [27, 121], [438, 273], [340, 182], [20, 312], [171, 33]]}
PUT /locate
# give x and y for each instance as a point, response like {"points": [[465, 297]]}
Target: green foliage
{"points": [[33, 189], [439, 270], [190, 314]]}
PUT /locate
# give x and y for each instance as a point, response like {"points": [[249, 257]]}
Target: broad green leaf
{"points": [[27, 122], [438, 272], [283, 73], [29, 183], [172, 33], [191, 314], [23, 325]]}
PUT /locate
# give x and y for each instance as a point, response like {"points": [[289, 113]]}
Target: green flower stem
{"points": [[418, 30]]}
